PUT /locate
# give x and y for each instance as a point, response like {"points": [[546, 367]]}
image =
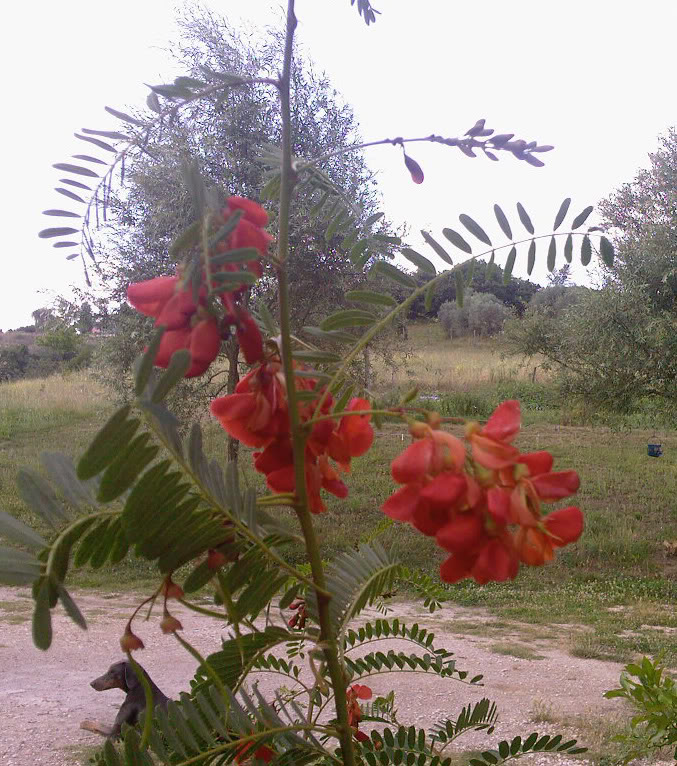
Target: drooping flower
{"points": [[258, 415], [187, 323], [415, 169]]}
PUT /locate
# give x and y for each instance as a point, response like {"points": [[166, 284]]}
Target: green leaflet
{"points": [[460, 287], [322, 357], [178, 366], [143, 366], [115, 435], [331, 335], [18, 567], [524, 217], [121, 473], [38, 495], [582, 217], [503, 221], [239, 255], [188, 238], [509, 265], [474, 228], [457, 240], [358, 250], [561, 213], [391, 272], [347, 318], [606, 251], [586, 250], [568, 248], [552, 254], [443, 254], [531, 256], [21, 533], [228, 227], [369, 296], [420, 261]]}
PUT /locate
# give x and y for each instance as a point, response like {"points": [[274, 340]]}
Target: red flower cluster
{"points": [[188, 322], [257, 414], [484, 509], [355, 692]]}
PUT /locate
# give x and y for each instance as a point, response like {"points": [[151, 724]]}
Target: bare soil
{"points": [[45, 696]]}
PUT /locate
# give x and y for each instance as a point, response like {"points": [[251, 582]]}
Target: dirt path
{"points": [[44, 696]]}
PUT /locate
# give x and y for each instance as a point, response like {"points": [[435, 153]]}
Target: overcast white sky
{"points": [[596, 79]]}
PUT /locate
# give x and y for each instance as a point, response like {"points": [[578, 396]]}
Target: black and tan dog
{"points": [[121, 675]]}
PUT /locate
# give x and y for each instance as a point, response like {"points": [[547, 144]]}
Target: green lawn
{"points": [[618, 579]]}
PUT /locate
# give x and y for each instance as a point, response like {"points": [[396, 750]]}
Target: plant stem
{"points": [[327, 637]]}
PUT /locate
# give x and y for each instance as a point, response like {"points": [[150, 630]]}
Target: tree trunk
{"points": [[367, 367], [233, 352]]}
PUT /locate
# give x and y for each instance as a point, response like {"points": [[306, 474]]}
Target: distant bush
{"points": [[60, 339], [481, 314], [14, 361]]}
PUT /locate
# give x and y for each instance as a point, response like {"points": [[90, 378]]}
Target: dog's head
{"points": [[118, 676]]}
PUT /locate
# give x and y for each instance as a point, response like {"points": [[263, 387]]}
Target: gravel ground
{"points": [[45, 696]]}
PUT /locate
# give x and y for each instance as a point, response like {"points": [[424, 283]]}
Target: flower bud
{"points": [[415, 169], [171, 589], [130, 641], [170, 624], [433, 419], [215, 559]]}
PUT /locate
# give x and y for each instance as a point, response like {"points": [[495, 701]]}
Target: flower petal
{"points": [[557, 485], [566, 525], [414, 463], [401, 505], [462, 533], [504, 423]]}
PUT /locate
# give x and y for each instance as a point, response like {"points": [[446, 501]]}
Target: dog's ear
{"points": [[131, 679]]}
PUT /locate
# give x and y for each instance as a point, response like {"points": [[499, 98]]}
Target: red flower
{"points": [[261, 753], [484, 509], [188, 324], [353, 437], [256, 413], [249, 232]]}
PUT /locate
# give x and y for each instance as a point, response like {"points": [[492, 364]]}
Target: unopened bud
{"points": [[215, 559], [472, 427], [414, 168], [130, 641], [171, 589], [434, 419], [170, 624]]}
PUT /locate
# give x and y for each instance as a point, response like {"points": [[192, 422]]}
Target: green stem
{"points": [[202, 610], [327, 637]]}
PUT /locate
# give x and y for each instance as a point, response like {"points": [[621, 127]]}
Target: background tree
{"points": [[226, 136], [516, 294], [619, 345]]}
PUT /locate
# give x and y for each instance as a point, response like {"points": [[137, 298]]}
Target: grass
{"points": [[627, 498], [513, 649], [442, 365]]}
